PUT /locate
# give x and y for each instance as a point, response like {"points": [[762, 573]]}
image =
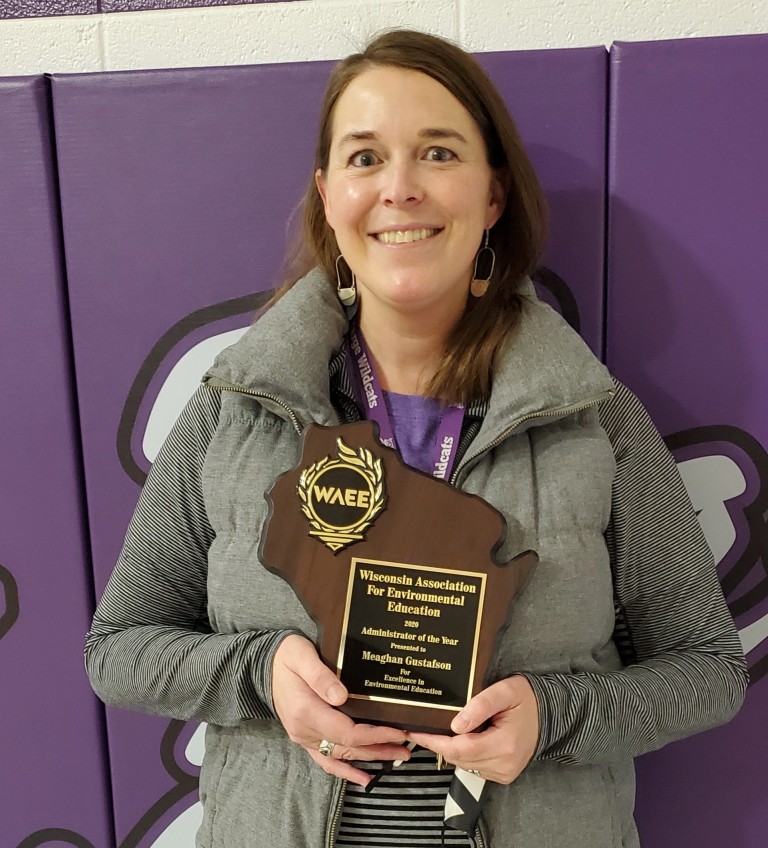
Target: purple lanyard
{"points": [[371, 397]]}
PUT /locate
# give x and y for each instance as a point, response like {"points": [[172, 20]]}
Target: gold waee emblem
{"points": [[341, 497]]}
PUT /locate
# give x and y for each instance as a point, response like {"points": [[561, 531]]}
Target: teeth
{"points": [[404, 236]]}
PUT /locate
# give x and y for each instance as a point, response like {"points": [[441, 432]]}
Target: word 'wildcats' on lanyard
{"points": [[371, 397]]}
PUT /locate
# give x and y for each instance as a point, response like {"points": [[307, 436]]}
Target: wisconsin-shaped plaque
{"points": [[398, 571]]}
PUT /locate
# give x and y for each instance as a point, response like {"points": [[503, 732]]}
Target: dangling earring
{"points": [[346, 294], [479, 285]]}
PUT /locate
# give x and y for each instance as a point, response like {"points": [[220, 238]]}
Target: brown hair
{"points": [[475, 344]]}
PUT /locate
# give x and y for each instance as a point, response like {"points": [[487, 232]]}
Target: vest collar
{"points": [[546, 369]]}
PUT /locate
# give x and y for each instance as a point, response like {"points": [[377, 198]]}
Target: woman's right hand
{"points": [[305, 692]]}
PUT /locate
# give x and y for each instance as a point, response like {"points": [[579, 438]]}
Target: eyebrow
{"points": [[442, 132], [429, 132]]}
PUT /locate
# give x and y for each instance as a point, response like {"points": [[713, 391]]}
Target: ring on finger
{"points": [[326, 747], [473, 771]]}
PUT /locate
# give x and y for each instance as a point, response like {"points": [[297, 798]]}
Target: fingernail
{"points": [[459, 724], [410, 746], [337, 693]]}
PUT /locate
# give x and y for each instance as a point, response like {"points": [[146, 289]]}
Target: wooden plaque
{"points": [[397, 569]]}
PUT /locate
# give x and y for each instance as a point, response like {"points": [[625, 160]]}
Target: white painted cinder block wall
{"points": [[329, 29]]}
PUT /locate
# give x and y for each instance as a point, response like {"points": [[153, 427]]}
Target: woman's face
{"points": [[408, 190]]}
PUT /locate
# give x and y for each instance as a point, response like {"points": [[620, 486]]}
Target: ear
{"points": [[496, 203], [322, 190]]}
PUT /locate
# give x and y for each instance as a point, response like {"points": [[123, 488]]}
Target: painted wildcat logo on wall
{"points": [[173, 819], [9, 601], [724, 469]]}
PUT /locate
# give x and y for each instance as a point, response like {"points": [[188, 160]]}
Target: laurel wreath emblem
{"points": [[370, 468]]}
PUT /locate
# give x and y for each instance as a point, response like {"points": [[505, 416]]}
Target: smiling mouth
{"points": [[405, 236]]}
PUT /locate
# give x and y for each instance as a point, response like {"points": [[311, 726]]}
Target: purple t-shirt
{"points": [[415, 421]]}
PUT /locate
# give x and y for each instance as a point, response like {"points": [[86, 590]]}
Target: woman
{"points": [[422, 221]]}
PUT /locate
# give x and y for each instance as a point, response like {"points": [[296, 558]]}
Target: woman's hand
{"points": [[501, 751], [304, 692]]}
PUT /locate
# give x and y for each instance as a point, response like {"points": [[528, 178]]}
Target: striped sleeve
{"points": [[686, 669], [151, 647]]}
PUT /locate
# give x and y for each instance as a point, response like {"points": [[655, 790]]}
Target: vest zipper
{"points": [[558, 412], [333, 825], [227, 387], [479, 838]]}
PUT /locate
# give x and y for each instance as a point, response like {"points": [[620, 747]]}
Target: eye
{"points": [[363, 159], [439, 154]]}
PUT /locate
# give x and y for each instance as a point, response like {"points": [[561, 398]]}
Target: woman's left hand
{"points": [[501, 751]]}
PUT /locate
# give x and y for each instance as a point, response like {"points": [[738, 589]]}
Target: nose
{"points": [[401, 185]]}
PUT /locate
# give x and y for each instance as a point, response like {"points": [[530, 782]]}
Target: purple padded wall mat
{"points": [[176, 186], [687, 330], [557, 98], [52, 784]]}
